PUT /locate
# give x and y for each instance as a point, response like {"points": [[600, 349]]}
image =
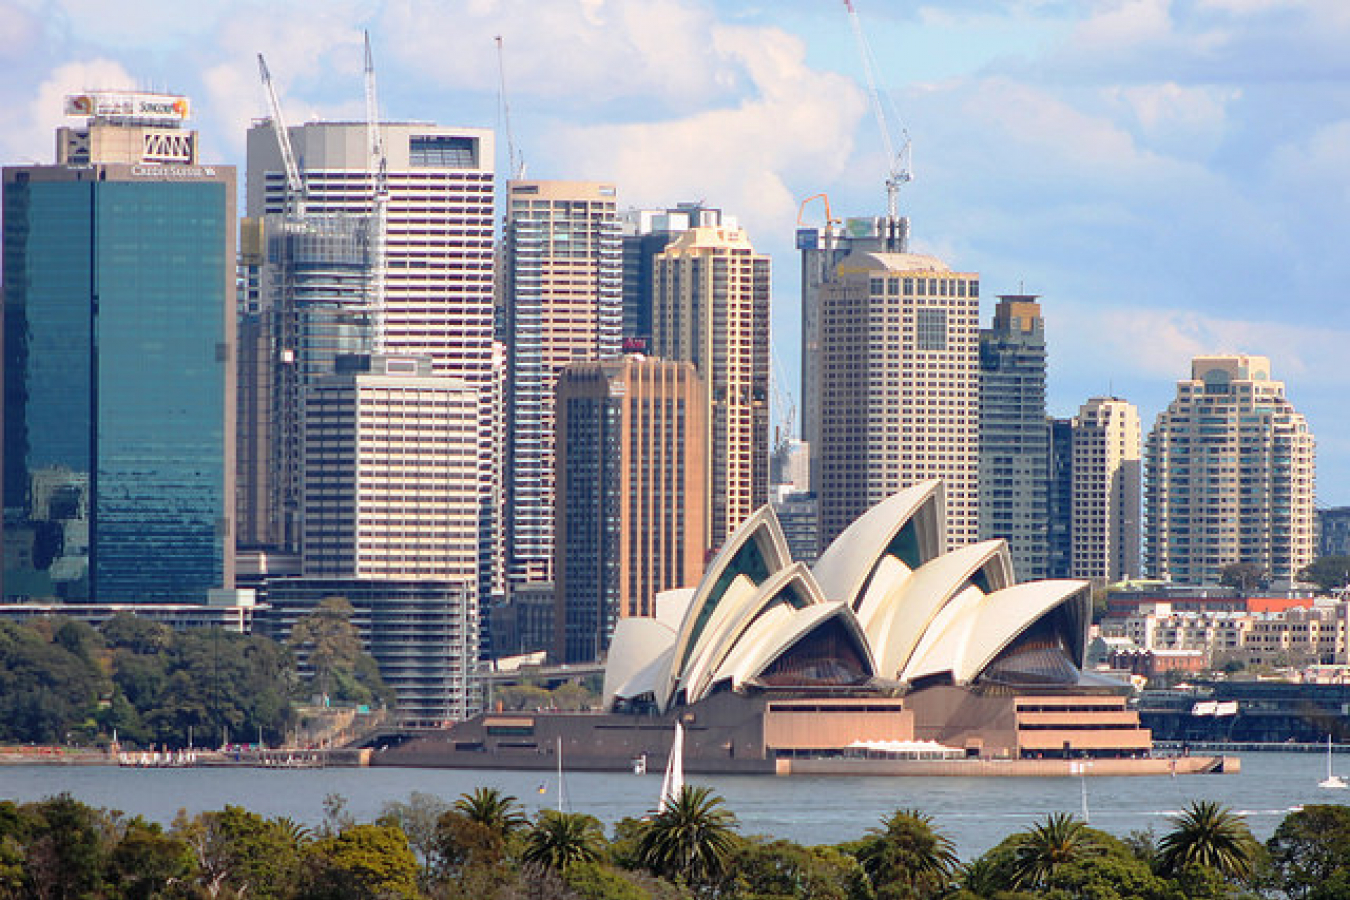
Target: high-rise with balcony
{"points": [[712, 309], [630, 502], [1231, 476], [899, 382], [562, 299], [119, 380], [1014, 440], [1104, 523]]}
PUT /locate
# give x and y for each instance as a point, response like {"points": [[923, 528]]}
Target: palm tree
{"points": [[559, 840], [690, 839], [1061, 839], [1207, 834], [490, 807], [906, 854]]}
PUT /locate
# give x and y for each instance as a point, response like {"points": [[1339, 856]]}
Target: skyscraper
{"points": [[712, 309], [1231, 476], [1106, 484], [630, 507], [1014, 440], [821, 250], [1060, 473], [899, 375], [433, 257], [119, 361], [646, 232], [562, 297]]}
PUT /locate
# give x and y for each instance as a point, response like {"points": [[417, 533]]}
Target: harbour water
{"points": [[975, 812]]}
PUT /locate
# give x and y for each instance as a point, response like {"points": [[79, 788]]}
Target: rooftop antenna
{"points": [[515, 160], [900, 162]]}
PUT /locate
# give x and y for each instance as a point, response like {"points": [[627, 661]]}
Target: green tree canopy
{"points": [[363, 862], [558, 840], [330, 643], [908, 857], [1310, 852], [1330, 573], [690, 839], [1037, 853], [1244, 576], [1211, 836]]}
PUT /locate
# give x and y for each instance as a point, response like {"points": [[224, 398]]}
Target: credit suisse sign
{"points": [[126, 105]]}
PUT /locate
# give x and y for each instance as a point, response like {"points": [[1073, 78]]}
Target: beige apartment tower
{"points": [[561, 302], [711, 308], [631, 502], [899, 369], [1106, 486], [1231, 476]]}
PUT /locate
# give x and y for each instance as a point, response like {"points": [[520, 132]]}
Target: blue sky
{"points": [[1172, 176]]}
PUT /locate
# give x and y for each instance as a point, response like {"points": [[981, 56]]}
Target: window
{"points": [[443, 150], [930, 326]]}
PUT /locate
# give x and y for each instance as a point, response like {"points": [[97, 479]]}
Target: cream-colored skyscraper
{"points": [[711, 308], [1106, 471], [1231, 476], [899, 369], [562, 302]]}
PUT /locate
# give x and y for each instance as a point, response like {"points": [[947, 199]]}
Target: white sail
{"points": [[673, 782], [1333, 781]]}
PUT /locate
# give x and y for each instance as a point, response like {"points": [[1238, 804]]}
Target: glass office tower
{"points": [[119, 387]]}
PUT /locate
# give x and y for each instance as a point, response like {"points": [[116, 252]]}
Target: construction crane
{"points": [[295, 186], [830, 220], [899, 161], [378, 166], [515, 160]]}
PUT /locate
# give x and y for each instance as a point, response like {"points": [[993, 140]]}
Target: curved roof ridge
{"points": [[1005, 614], [783, 637], [844, 567]]}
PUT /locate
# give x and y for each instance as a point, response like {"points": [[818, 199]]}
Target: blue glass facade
{"points": [[116, 452]]}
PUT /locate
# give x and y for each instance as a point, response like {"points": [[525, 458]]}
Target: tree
{"points": [[907, 857], [690, 839], [66, 852], [783, 869], [331, 645], [488, 806], [1309, 850], [418, 818], [243, 851], [146, 861], [1243, 576], [364, 862], [1060, 840], [559, 840], [1207, 834], [1330, 573]]}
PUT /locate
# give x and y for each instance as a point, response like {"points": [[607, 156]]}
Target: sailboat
{"points": [[1332, 781], [673, 782]]}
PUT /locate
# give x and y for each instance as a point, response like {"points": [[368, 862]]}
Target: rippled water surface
{"points": [[975, 812]]}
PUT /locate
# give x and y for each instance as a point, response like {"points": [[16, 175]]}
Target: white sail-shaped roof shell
{"points": [[946, 616], [981, 627], [904, 612], [844, 568], [714, 602]]}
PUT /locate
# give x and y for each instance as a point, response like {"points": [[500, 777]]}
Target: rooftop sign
{"points": [[163, 108]]}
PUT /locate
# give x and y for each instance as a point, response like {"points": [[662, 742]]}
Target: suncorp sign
{"points": [[166, 108]]}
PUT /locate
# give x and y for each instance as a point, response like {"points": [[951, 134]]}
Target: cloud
{"points": [[26, 130], [1176, 119], [790, 137]]}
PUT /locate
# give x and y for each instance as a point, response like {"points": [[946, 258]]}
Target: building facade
{"points": [[119, 362], [431, 253], [1105, 525], [1014, 484], [1060, 498], [712, 309], [646, 232], [630, 504], [899, 351], [562, 301], [1231, 476]]}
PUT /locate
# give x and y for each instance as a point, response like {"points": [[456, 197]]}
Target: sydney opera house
{"points": [[889, 648]]}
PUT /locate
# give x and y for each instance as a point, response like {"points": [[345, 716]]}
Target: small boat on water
{"points": [[1332, 781]]}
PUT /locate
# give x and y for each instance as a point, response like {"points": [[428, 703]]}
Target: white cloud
{"points": [[1187, 121], [26, 130], [791, 137]]}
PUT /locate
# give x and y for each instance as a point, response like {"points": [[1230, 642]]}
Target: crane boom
{"points": [[898, 161], [295, 186], [515, 160], [379, 201]]}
